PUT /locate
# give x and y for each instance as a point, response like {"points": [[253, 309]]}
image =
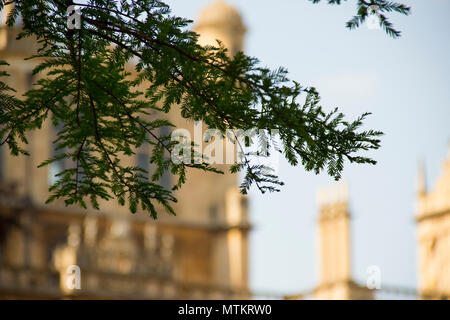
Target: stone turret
{"points": [[433, 218], [334, 235], [221, 21], [334, 247]]}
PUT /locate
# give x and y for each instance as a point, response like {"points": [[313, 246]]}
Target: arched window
{"points": [[143, 160], [166, 179], [57, 166]]}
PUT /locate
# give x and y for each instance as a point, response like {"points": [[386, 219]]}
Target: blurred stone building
{"points": [[201, 253], [334, 250], [433, 219], [334, 245]]}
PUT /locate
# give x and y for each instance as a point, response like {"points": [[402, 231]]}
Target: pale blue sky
{"points": [[405, 84]]}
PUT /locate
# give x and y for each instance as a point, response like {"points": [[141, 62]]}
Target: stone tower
{"points": [[335, 281], [433, 219], [221, 21], [200, 253]]}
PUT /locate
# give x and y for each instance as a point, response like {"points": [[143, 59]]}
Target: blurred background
{"points": [[386, 227]]}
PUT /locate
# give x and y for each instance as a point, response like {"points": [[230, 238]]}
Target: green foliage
{"points": [[105, 117], [382, 6], [8, 113]]}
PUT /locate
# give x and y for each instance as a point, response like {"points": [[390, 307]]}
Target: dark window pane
{"points": [[166, 180], [143, 163], [164, 131], [29, 80]]}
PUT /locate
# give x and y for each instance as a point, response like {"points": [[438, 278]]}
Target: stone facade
{"points": [[433, 219]]}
